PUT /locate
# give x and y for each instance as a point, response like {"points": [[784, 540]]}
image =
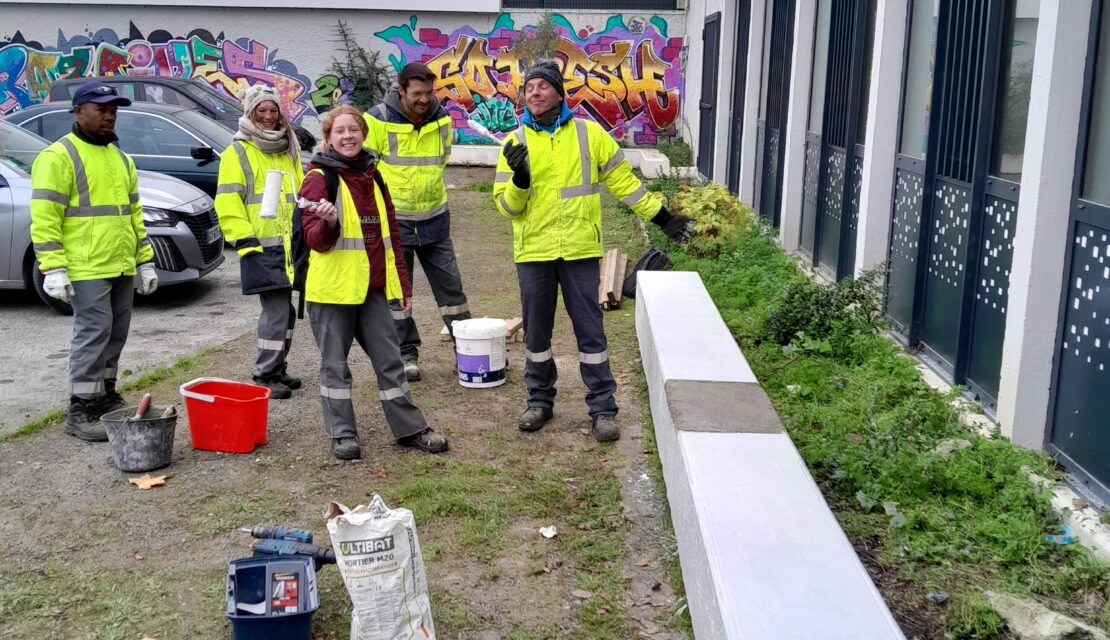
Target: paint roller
{"points": [[482, 131], [271, 193]]}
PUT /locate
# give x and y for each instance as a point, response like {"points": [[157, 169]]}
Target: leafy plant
{"points": [[678, 151], [371, 76], [535, 44], [830, 312], [717, 214]]}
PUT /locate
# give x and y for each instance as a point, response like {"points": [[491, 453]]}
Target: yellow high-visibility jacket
{"points": [[85, 211], [411, 159], [560, 215], [243, 169], [341, 275]]}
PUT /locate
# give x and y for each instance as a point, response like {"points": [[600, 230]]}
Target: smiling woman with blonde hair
{"points": [[264, 143], [355, 268]]}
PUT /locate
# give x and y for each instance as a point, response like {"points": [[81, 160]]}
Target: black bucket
{"points": [[144, 444]]}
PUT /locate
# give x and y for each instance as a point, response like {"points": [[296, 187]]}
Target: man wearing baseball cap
{"points": [[88, 234]]}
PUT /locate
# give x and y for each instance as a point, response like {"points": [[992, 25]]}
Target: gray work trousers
{"points": [[437, 259], [275, 333], [539, 293], [334, 326], [101, 320]]}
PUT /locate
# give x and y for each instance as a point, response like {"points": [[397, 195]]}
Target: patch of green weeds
{"points": [[238, 506], [53, 601], [868, 428], [677, 150], [52, 418], [481, 187]]}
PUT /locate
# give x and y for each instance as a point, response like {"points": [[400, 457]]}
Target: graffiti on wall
{"points": [[626, 76], [27, 69]]}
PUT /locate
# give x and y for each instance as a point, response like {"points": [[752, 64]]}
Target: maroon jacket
{"points": [[320, 237]]}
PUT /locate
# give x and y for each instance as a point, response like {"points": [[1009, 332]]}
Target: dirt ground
{"points": [[90, 556]]}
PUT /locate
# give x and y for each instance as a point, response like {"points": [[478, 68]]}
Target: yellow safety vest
{"points": [[341, 275], [243, 168], [85, 211], [412, 162], [560, 215]]}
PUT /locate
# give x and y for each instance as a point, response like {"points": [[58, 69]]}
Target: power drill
{"points": [[272, 547], [279, 533]]}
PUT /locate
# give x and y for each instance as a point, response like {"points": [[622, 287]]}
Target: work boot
{"points": [[427, 441], [534, 418], [605, 428], [111, 400], [346, 449], [412, 370], [83, 421], [289, 381], [278, 391]]}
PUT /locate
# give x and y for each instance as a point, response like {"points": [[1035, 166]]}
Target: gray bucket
{"points": [[144, 444]]}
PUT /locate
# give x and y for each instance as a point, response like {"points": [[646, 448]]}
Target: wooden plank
{"points": [[513, 325], [618, 280], [605, 281]]}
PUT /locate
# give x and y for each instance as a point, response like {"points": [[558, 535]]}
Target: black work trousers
{"points": [[540, 283]]}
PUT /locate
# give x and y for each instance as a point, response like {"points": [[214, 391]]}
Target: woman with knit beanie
{"points": [[264, 146]]}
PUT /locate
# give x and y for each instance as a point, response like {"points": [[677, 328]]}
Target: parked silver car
{"points": [[180, 221]]}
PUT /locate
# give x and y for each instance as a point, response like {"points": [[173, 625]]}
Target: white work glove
{"points": [[148, 279], [56, 284]]}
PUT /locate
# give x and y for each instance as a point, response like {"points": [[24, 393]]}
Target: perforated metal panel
{"points": [[944, 280], [769, 202], [992, 289], [1082, 400], [904, 239], [832, 209], [809, 192], [849, 258]]}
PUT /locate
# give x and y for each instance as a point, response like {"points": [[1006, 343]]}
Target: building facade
{"points": [[965, 144]]}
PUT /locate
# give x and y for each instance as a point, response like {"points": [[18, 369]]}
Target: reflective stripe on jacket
{"points": [[411, 159], [243, 170], [85, 211], [560, 215], [341, 275]]}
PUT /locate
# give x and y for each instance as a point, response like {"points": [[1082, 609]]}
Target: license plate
{"points": [[213, 234]]}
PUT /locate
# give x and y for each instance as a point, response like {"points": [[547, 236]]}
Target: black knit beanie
{"points": [[547, 69]]}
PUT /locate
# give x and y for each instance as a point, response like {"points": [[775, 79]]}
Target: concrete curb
{"points": [[762, 555]]}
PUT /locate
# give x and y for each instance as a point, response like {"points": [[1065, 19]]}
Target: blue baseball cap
{"points": [[99, 93]]}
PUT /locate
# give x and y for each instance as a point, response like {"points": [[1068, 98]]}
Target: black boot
{"points": [[111, 400], [534, 418], [83, 420], [278, 391]]}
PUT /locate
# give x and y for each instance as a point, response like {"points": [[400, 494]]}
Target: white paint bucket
{"points": [[271, 193], [480, 349]]}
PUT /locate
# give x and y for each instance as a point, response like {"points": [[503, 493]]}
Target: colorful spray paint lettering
{"points": [[27, 69], [627, 77]]}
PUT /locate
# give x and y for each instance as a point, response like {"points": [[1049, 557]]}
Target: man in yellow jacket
{"points": [[553, 197], [88, 235], [411, 134]]}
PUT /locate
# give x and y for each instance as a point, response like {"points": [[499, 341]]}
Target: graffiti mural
{"points": [[627, 77], [27, 69]]}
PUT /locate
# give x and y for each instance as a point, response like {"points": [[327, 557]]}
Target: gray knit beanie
{"points": [[255, 95], [547, 69]]}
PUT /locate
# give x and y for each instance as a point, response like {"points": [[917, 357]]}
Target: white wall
{"points": [[696, 14]]}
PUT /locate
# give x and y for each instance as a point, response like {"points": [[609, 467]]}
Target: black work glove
{"points": [[678, 228], [516, 155]]}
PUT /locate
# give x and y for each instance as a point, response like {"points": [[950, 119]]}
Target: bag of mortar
{"points": [[378, 555]]}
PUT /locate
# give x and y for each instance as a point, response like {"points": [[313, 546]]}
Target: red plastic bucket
{"points": [[225, 415]]}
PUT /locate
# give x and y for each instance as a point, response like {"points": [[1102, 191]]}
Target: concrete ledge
{"points": [[762, 555]]}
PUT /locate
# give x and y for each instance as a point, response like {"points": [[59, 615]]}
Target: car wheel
{"points": [[57, 305]]}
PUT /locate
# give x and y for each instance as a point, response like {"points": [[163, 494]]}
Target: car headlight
{"points": [[153, 217]]}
